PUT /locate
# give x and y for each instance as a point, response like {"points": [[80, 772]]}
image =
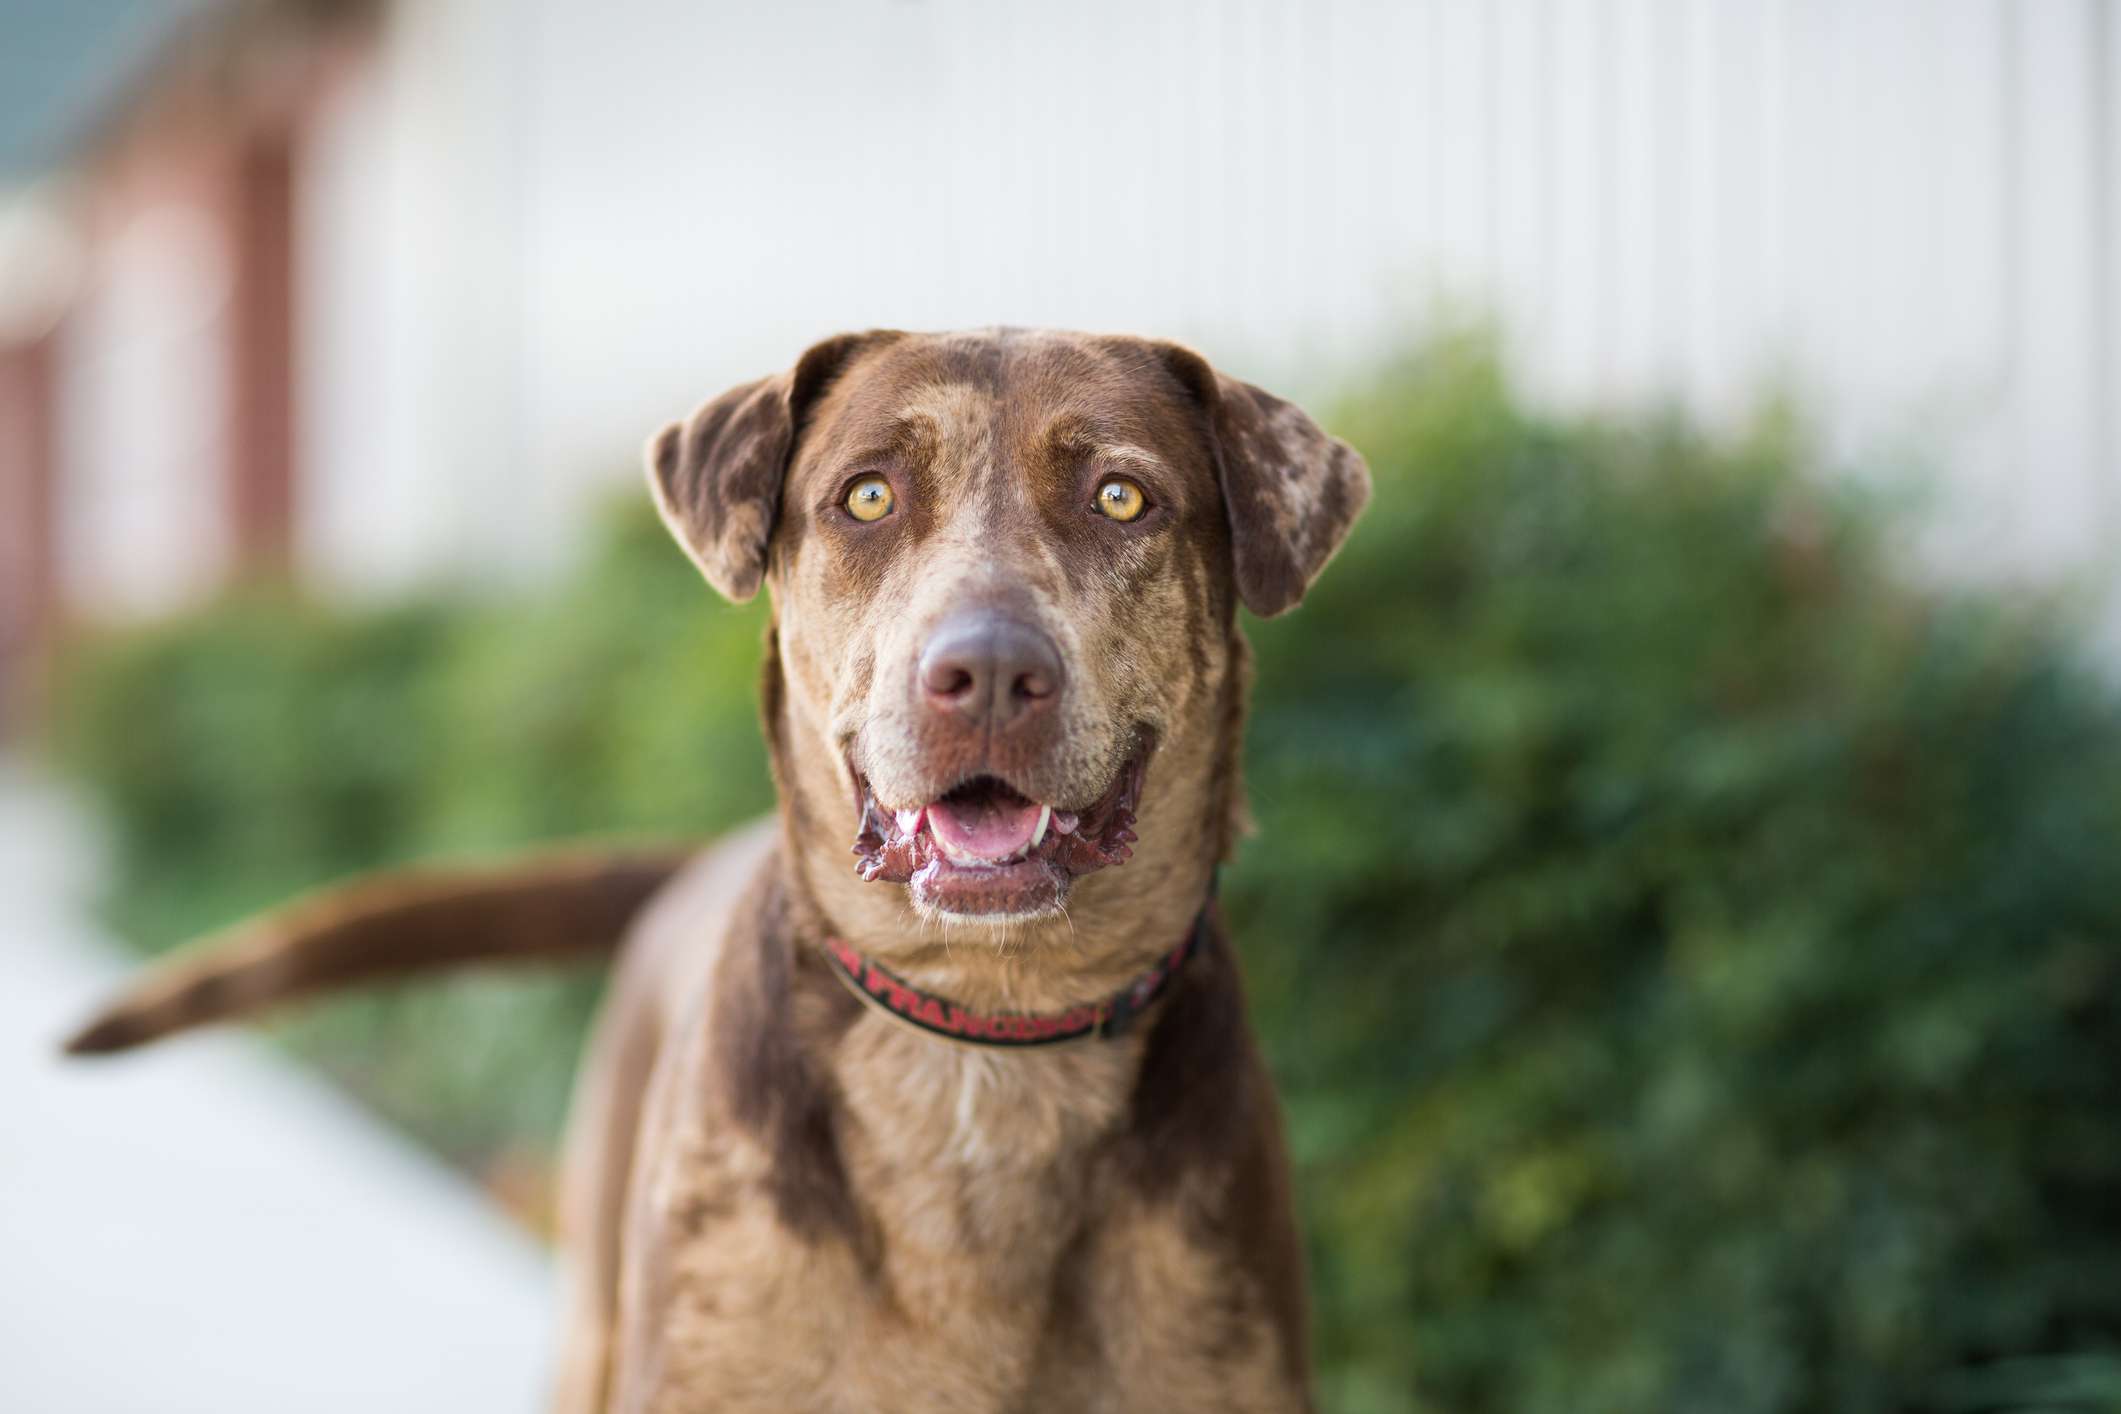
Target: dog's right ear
{"points": [[716, 477]]}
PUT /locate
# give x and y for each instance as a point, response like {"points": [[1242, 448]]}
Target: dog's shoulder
{"points": [[672, 951], [738, 1204], [1195, 1194], [743, 1075]]}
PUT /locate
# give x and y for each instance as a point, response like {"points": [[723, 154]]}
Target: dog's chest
{"points": [[976, 1167], [1001, 1270]]}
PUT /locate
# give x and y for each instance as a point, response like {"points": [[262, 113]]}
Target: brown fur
{"points": [[779, 1199], [830, 1211], [555, 905]]}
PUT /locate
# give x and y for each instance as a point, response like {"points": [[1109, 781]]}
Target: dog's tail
{"points": [[542, 906]]}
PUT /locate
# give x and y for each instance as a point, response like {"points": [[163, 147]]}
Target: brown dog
{"points": [[975, 1124]]}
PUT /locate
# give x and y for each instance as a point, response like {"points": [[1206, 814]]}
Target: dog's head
{"points": [[1004, 567]]}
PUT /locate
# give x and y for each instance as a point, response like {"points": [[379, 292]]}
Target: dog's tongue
{"points": [[986, 823]]}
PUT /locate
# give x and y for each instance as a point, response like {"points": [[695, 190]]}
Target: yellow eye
{"points": [[1120, 499], [869, 498]]}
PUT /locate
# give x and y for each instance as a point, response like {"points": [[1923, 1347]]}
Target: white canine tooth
{"points": [[1045, 818], [909, 821]]}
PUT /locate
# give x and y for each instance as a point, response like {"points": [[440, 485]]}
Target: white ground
{"points": [[201, 1228]]}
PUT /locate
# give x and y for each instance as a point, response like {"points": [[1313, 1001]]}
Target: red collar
{"points": [[879, 987]]}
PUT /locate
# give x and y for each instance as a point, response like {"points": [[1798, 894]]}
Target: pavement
{"points": [[201, 1226]]}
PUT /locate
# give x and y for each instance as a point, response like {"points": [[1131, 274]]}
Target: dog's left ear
{"points": [[716, 476], [1291, 492]]}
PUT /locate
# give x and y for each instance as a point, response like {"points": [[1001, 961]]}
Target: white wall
{"points": [[410, 301], [1904, 207], [142, 520]]}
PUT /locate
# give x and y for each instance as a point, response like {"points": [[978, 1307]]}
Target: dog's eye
{"points": [[1120, 499], [869, 498]]}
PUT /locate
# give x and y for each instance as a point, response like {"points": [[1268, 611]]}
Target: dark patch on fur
{"points": [[1194, 1055], [769, 1073], [1202, 1107]]}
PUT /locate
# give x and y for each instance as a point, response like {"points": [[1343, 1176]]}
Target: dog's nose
{"points": [[988, 667]]}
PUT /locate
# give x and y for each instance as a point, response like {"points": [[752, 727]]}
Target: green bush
{"points": [[1688, 951], [1686, 946]]}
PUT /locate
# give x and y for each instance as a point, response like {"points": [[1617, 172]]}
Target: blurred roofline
{"points": [[218, 62], [214, 52], [85, 108]]}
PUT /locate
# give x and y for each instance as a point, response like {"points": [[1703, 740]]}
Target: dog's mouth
{"points": [[984, 848], [983, 821]]}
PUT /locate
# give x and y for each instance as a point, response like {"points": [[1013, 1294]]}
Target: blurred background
{"points": [[1685, 912]]}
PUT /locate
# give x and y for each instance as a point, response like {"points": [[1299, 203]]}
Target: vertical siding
{"points": [[1905, 208], [2055, 397], [2102, 58]]}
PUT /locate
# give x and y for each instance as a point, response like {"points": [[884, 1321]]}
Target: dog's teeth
{"points": [[1065, 821], [909, 821], [1045, 818]]}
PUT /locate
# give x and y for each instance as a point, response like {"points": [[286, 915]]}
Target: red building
{"points": [[148, 354]]}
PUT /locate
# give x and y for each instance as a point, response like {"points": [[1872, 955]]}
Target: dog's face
{"points": [[1005, 567]]}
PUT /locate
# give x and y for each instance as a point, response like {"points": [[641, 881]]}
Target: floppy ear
{"points": [[716, 477], [1290, 491]]}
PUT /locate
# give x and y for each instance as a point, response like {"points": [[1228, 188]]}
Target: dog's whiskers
{"points": [[1074, 942]]}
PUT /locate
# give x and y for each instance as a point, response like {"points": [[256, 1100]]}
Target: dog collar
{"points": [[1113, 1016]]}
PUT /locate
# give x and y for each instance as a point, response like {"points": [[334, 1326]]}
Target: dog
{"points": [[969, 1118]]}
